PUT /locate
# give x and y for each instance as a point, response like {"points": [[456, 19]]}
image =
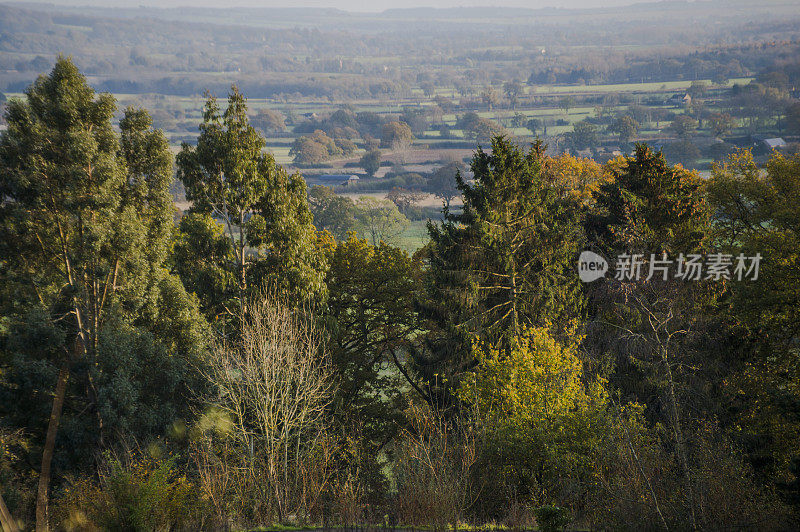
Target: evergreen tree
{"points": [[507, 261], [648, 207], [86, 226], [263, 209]]}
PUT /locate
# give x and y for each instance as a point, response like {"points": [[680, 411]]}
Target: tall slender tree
{"points": [[86, 223], [264, 209]]}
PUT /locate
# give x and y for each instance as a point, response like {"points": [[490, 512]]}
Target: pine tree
{"points": [[507, 261]]}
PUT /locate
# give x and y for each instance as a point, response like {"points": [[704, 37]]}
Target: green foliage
{"points": [[264, 209], [371, 321], [544, 417], [649, 206], [371, 162], [757, 212], [583, 135], [332, 212], [269, 121], [721, 124], [86, 227], [552, 518], [315, 148], [506, 261], [626, 127], [396, 136], [442, 183], [203, 258], [483, 130], [379, 220], [684, 126], [137, 495]]}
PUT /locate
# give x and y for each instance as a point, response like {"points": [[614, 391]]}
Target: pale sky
{"points": [[348, 5]]}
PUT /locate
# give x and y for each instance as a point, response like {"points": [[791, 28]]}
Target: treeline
{"points": [[347, 57], [718, 64], [241, 368]]}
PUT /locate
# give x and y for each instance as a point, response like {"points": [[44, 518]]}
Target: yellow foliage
{"points": [[575, 177], [537, 379]]}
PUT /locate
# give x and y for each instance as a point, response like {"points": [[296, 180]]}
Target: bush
{"points": [[552, 518], [142, 493]]}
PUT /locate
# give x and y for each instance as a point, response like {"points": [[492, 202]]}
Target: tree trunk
{"points": [[49, 447], [678, 433], [7, 522]]}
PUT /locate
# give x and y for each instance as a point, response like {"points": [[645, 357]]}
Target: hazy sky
{"points": [[349, 5]]}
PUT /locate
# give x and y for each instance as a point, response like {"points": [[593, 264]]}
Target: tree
{"points": [[467, 121], [584, 135], [697, 89], [757, 211], [683, 152], [276, 429], [490, 97], [505, 262], [650, 209], [443, 183], [543, 415], [518, 120], [483, 130], [513, 89], [379, 220], [720, 79], [205, 260], [626, 127], [566, 103], [721, 124], [86, 226], [332, 212], [404, 199], [649, 202], [269, 121], [575, 178], [315, 148], [428, 89], [684, 126], [370, 318], [371, 162], [307, 151], [263, 208], [396, 136], [533, 125], [793, 119]]}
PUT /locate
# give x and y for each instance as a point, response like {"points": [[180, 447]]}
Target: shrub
{"points": [[141, 493], [552, 518]]}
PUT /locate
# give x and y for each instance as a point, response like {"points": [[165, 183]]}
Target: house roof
{"points": [[776, 142]]}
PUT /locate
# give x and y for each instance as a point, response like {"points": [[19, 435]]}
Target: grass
{"points": [[655, 86], [414, 237]]}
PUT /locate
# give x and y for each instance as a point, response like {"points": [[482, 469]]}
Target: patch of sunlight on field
{"points": [[625, 87], [414, 237], [281, 154]]}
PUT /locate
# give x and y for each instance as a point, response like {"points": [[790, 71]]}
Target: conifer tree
{"points": [[507, 261]]}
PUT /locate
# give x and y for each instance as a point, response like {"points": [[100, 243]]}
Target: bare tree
{"points": [[273, 385], [437, 454]]}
